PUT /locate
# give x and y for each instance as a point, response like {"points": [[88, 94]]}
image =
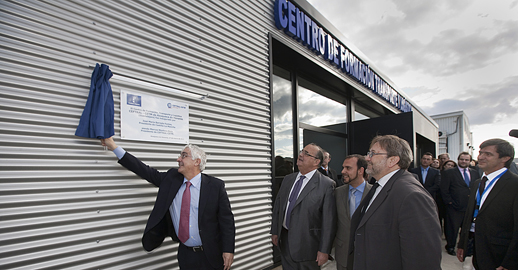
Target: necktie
{"points": [[424, 172], [183, 231], [293, 198], [482, 186], [466, 177], [352, 202], [355, 220], [366, 201]]}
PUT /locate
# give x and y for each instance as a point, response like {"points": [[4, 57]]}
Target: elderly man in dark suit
{"points": [[348, 198], [304, 214], [191, 207], [396, 225], [492, 215], [455, 187], [429, 177]]}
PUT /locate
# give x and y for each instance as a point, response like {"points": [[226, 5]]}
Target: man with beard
{"points": [[304, 214], [455, 187], [396, 225], [348, 198]]}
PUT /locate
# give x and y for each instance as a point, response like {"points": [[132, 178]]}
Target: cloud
{"points": [[487, 104], [396, 42]]}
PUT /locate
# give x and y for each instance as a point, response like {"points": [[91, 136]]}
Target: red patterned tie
{"points": [[183, 231]]}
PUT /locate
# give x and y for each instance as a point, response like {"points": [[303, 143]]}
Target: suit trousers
{"points": [[287, 262], [452, 225], [190, 260]]}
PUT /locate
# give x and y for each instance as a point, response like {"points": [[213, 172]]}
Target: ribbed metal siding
{"points": [[448, 125], [65, 203]]}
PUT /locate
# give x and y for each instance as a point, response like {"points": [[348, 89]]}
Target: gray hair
{"points": [[198, 153]]}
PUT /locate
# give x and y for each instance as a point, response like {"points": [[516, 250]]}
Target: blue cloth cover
{"points": [[97, 118]]}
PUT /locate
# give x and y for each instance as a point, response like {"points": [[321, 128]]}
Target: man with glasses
{"points": [[491, 219], [304, 214], [396, 225], [191, 207]]}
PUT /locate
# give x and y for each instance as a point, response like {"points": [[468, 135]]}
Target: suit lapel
{"points": [[205, 188], [499, 186], [459, 176], [290, 179], [381, 197], [312, 183], [345, 200], [176, 183]]}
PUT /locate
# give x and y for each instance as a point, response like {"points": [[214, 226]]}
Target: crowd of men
{"points": [[378, 214], [384, 215]]}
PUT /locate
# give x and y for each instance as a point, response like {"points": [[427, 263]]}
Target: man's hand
{"points": [[322, 258], [501, 268], [110, 143], [275, 239], [460, 254], [228, 259]]}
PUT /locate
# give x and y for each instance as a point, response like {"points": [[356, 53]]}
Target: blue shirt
{"points": [[359, 193], [174, 208], [424, 172]]}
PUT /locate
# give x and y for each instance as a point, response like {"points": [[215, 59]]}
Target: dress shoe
{"points": [[451, 251]]}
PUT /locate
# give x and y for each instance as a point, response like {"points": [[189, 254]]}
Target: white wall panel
{"points": [[65, 202]]}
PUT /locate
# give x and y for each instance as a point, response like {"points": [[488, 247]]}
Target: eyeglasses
{"points": [[370, 154], [305, 153], [183, 155]]}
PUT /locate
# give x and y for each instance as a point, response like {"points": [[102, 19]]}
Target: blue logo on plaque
{"points": [[134, 100], [169, 105]]}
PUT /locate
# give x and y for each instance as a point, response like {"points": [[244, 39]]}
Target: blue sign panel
{"points": [[295, 23]]}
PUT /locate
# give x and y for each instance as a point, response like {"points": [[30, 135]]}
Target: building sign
{"points": [[301, 27], [148, 118]]}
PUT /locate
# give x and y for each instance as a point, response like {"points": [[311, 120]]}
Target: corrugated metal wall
{"points": [[451, 132], [65, 203]]}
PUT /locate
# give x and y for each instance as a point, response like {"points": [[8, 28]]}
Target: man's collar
{"points": [[195, 181], [387, 177]]}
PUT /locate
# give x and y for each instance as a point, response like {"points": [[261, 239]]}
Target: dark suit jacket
{"points": [[400, 230], [313, 219], [433, 180], [333, 175], [454, 190], [343, 228], [215, 218], [496, 227]]}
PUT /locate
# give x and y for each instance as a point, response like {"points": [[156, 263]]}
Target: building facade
{"points": [[455, 134], [261, 79]]}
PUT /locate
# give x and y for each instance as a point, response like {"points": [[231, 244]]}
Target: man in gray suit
{"points": [[348, 198], [304, 214], [396, 226]]}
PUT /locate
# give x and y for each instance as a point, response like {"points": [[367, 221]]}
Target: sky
{"points": [[445, 55]]}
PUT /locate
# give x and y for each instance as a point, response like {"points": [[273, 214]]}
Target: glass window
{"points": [[320, 111], [358, 116], [282, 123]]}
